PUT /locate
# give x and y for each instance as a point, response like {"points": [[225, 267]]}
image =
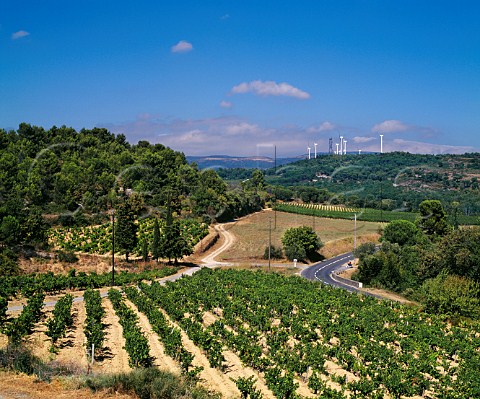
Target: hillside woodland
{"points": [[389, 181], [62, 177]]}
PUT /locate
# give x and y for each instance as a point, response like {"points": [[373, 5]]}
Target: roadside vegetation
{"points": [[429, 261]]}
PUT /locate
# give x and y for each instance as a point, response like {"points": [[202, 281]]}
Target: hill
{"points": [[228, 162], [389, 181]]}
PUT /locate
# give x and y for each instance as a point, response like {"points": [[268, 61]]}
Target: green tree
{"points": [[433, 219], [8, 266], [401, 232], [452, 295], [125, 229], [10, 230], [301, 242], [156, 240], [172, 243], [363, 250]]}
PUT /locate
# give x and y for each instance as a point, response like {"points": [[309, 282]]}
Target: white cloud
{"points": [[419, 147], [20, 34], [241, 137], [182, 47], [270, 88], [363, 139], [390, 126], [226, 104], [324, 127]]}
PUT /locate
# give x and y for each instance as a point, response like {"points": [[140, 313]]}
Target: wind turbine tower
{"points": [[315, 148], [341, 145], [308, 148], [381, 144], [345, 147], [330, 145], [336, 152]]}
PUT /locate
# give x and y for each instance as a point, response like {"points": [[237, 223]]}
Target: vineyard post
{"points": [[93, 353]]}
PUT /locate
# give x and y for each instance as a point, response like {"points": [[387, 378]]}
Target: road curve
{"points": [[323, 271]]}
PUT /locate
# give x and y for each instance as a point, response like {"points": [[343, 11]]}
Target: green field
{"points": [[366, 214]]}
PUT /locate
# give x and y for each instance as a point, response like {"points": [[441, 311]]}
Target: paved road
{"points": [[324, 272]]}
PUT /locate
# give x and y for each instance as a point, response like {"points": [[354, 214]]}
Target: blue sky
{"points": [[238, 77]]}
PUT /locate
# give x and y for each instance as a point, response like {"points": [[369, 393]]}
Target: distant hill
{"points": [[388, 181], [230, 162]]}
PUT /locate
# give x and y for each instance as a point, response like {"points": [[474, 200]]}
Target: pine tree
{"points": [[125, 229]]}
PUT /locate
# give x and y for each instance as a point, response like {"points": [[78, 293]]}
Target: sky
{"points": [[240, 77]]}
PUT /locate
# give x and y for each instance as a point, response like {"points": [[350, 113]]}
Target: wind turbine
{"points": [[315, 145], [337, 148], [345, 147], [381, 144], [308, 148], [341, 145]]}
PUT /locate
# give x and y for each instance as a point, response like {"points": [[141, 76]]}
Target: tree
{"points": [[8, 266], [363, 250], [300, 243], [156, 240], [172, 244], [401, 232], [433, 219], [10, 230], [125, 229]]}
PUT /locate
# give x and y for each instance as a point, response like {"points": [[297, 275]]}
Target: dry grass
{"points": [[252, 233]]}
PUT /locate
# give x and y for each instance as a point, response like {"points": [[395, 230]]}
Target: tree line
{"points": [[430, 261], [68, 177]]}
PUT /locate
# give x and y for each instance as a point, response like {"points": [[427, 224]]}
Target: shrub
{"points": [[275, 253], [364, 250], [150, 383], [300, 243]]}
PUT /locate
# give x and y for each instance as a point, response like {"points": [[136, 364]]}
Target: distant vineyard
{"points": [[342, 212], [97, 239], [366, 214]]}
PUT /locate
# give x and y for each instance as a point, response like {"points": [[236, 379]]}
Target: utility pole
{"points": [[113, 247], [355, 233], [269, 241]]}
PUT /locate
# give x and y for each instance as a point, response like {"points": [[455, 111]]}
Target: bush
{"points": [[452, 296], [300, 243], [295, 251], [275, 253], [8, 266], [150, 383], [364, 250]]}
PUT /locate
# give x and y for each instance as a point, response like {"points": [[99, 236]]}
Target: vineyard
{"points": [[97, 239], [293, 337], [342, 212]]}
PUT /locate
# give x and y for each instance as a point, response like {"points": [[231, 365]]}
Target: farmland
{"points": [[288, 335], [252, 233]]}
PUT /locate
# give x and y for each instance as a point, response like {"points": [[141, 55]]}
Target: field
{"points": [[285, 334], [245, 333], [252, 234]]}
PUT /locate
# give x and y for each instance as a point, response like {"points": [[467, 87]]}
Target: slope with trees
{"points": [[429, 261]]}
